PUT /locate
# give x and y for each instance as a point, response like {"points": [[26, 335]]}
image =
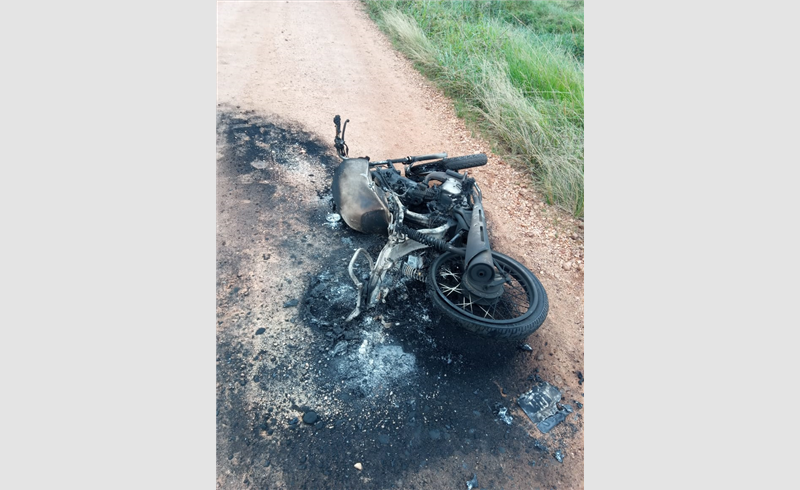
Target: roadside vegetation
{"points": [[515, 70]]}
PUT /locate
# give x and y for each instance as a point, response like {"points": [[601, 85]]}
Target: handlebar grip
{"points": [[467, 161], [422, 158]]}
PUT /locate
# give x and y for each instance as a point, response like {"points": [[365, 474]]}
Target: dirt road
{"points": [[303, 396]]}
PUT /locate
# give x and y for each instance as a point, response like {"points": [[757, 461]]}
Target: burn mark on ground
{"points": [[399, 389]]}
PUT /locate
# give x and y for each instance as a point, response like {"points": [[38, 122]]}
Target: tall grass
{"points": [[516, 80]]}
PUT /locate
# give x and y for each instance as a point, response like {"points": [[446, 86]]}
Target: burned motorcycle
{"points": [[437, 234]]}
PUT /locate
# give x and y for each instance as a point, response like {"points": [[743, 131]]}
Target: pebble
{"points": [[559, 457], [290, 303], [540, 357], [310, 417], [526, 348], [567, 266], [358, 466], [260, 331], [293, 421]]}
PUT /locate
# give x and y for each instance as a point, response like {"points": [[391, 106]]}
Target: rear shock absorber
{"points": [[413, 273]]}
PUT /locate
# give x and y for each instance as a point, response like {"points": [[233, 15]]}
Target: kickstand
{"points": [[359, 284]]}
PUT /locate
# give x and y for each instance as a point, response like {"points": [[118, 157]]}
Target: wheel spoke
{"points": [[514, 301], [450, 289], [445, 272], [517, 296], [465, 303]]}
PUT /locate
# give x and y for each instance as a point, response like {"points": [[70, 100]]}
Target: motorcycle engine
{"points": [[451, 186]]}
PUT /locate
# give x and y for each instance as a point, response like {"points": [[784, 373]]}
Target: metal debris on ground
{"points": [[333, 220], [559, 457], [526, 348], [473, 483], [504, 415], [339, 348], [540, 402], [547, 424]]}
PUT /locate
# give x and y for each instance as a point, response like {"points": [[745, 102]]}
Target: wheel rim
{"points": [[517, 302]]}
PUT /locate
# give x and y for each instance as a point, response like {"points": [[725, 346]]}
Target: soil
{"points": [[398, 397]]}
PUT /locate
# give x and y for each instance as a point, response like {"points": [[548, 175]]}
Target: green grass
{"points": [[515, 70]]}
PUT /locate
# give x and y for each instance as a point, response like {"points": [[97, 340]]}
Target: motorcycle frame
{"points": [[478, 254], [398, 246]]}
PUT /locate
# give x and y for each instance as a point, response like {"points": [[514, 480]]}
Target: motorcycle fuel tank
{"points": [[360, 204]]}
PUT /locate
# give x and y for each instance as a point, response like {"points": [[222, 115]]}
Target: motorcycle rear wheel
{"points": [[517, 313]]}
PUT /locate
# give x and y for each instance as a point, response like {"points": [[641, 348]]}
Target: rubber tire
{"points": [[467, 161], [516, 329]]}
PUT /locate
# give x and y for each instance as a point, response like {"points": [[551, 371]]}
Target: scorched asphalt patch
{"points": [[398, 389]]}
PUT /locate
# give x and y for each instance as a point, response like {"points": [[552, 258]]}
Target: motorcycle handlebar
{"points": [[412, 159], [338, 141]]}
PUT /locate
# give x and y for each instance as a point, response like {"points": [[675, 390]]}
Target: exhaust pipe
{"points": [[480, 277]]}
